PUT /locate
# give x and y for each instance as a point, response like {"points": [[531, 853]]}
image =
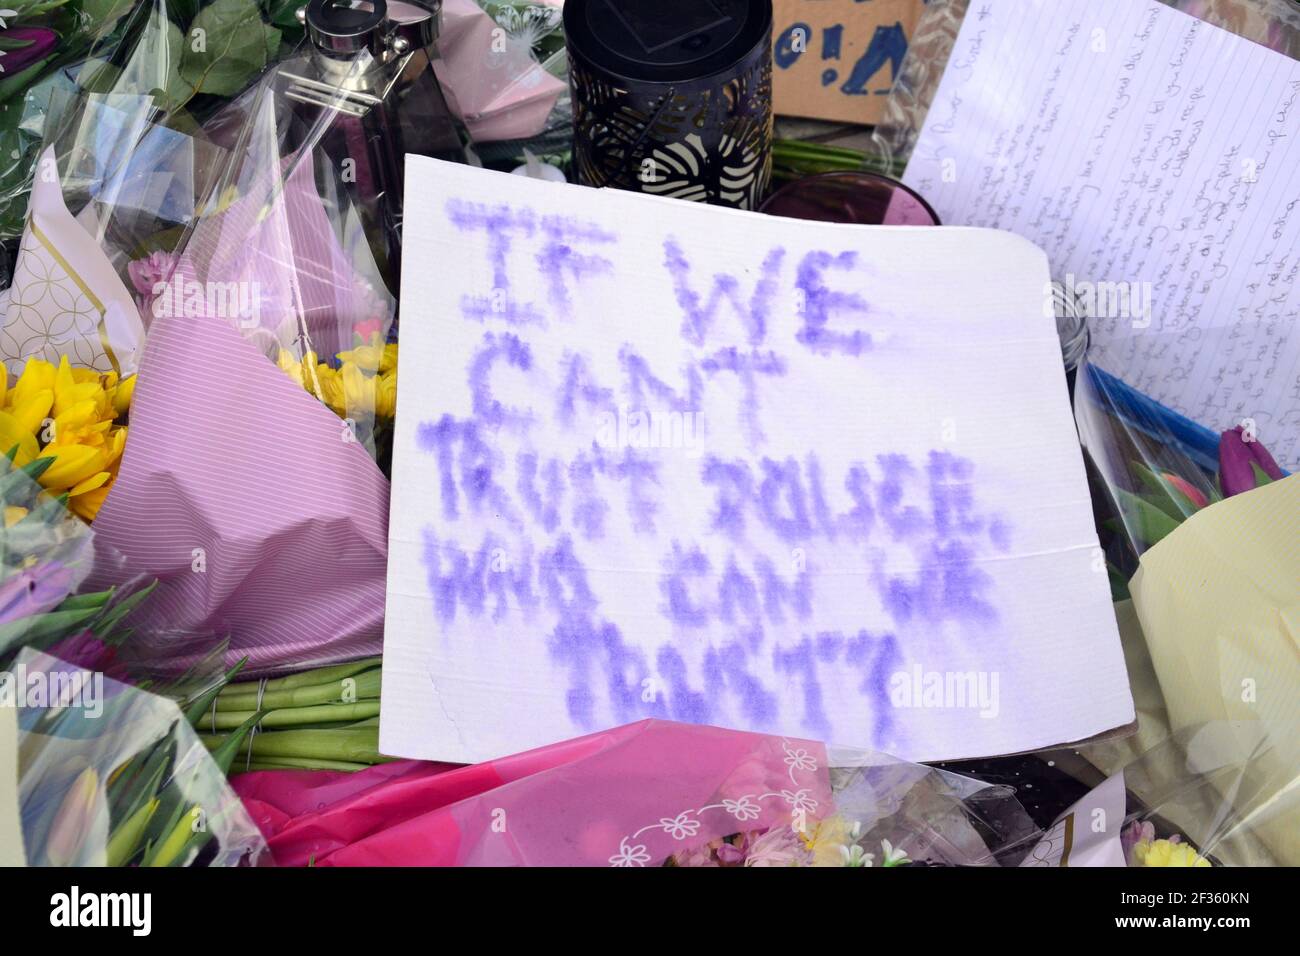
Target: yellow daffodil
{"points": [[364, 385], [14, 514], [358, 391], [32, 409], [74, 386], [16, 437], [37, 376], [386, 396], [122, 396], [1167, 853], [72, 465], [372, 357], [73, 413], [290, 366]]}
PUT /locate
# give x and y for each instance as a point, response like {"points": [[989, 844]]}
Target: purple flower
{"points": [[1240, 453], [148, 272], [34, 590], [89, 653], [40, 44]]}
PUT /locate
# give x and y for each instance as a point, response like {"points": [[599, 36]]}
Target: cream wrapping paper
{"points": [[11, 828], [1219, 603]]}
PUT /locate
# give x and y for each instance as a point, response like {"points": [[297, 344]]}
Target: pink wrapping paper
{"points": [[241, 494], [499, 95], [631, 796]]}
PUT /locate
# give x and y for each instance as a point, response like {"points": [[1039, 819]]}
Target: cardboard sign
{"points": [[837, 59], [661, 459]]}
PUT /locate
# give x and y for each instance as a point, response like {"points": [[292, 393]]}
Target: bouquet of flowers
{"points": [[1156, 468], [112, 775], [323, 719]]}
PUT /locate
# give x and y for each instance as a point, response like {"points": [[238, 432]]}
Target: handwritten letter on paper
{"points": [[1154, 158], [660, 459]]}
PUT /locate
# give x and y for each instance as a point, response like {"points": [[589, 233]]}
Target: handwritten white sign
{"points": [[1154, 158], [655, 458]]}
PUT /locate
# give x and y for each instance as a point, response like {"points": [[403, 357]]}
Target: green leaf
{"points": [[203, 702], [95, 599], [41, 630], [1118, 584], [1165, 494], [104, 12], [226, 46], [283, 13], [1261, 476], [224, 753], [1149, 522], [114, 614]]}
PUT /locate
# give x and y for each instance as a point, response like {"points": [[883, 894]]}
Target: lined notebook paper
{"points": [[1154, 157]]}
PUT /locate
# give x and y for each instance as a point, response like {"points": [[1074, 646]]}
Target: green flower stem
{"points": [[295, 716], [322, 675], [301, 763], [352, 745], [364, 686]]}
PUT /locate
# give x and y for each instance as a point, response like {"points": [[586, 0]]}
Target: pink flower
{"points": [[1132, 835], [147, 273], [779, 846], [1194, 494]]}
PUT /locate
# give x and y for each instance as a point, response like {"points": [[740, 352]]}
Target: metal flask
{"points": [[365, 93]]}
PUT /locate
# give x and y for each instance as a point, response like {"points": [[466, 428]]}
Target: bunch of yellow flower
{"points": [[364, 384], [68, 416], [1166, 853]]}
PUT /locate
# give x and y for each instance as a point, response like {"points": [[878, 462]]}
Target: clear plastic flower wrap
{"points": [[45, 553], [1151, 468], [1210, 794], [185, 56], [502, 64], [113, 193], [652, 793], [110, 775], [300, 249]]}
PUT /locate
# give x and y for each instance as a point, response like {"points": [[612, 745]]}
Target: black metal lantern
{"points": [[673, 97]]}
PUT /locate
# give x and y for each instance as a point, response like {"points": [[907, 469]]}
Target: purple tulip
{"points": [[1238, 454], [41, 43], [34, 591], [88, 652]]}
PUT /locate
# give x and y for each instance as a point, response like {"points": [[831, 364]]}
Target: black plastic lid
{"points": [[665, 41]]}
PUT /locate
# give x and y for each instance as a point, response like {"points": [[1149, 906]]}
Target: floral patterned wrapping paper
{"points": [[628, 797], [651, 793], [66, 298]]}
